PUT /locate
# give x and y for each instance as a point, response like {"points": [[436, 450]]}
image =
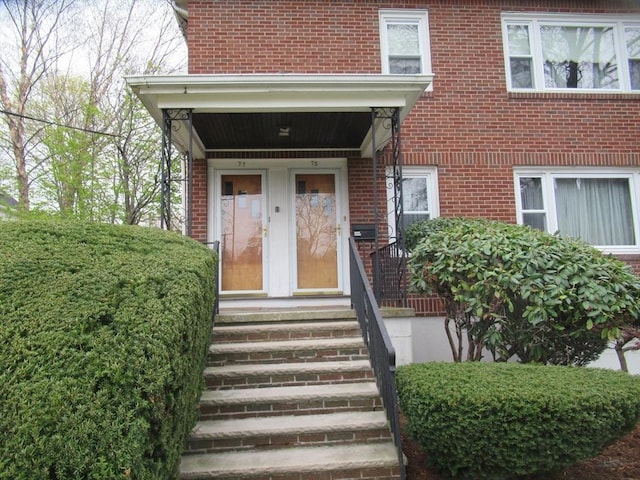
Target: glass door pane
{"points": [[316, 231], [242, 223]]}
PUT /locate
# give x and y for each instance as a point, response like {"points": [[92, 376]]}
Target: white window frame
{"points": [[548, 175], [535, 20], [431, 176], [412, 17]]}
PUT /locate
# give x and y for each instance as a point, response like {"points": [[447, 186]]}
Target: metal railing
{"points": [[216, 305], [215, 246], [376, 338], [390, 275]]}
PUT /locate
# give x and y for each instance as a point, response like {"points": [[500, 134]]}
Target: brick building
{"points": [[522, 111]]}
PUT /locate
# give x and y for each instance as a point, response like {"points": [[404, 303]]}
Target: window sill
{"points": [[576, 95], [631, 253]]}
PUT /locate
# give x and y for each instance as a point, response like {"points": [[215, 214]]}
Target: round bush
{"points": [[497, 421], [521, 292]]}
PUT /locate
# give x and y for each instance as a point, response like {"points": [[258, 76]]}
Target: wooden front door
{"points": [[242, 226], [280, 231], [317, 230]]}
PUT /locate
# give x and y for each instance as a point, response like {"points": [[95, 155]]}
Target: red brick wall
{"points": [[469, 126], [199, 200], [276, 36]]}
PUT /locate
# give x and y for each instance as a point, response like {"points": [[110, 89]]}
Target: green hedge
{"points": [[499, 420], [104, 331]]}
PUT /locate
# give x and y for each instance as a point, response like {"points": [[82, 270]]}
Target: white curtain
{"points": [[415, 200], [532, 199], [597, 210], [633, 50]]}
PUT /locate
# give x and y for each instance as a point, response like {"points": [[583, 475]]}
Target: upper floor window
{"points": [[598, 206], [552, 52], [404, 42]]}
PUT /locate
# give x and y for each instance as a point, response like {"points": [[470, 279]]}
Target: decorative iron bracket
{"points": [[172, 121], [391, 121]]}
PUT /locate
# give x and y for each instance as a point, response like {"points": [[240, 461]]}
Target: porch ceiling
{"points": [[283, 111], [282, 130]]}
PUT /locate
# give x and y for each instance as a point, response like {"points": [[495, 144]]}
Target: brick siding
{"points": [[199, 200], [469, 126]]}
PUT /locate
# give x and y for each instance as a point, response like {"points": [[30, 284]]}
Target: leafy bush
{"points": [[518, 291], [104, 332], [479, 420]]}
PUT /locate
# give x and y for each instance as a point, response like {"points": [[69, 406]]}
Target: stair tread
{"points": [[290, 394], [285, 315], [287, 327], [287, 345], [331, 422], [283, 368], [302, 459]]}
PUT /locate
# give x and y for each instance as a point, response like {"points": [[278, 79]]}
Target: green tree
{"points": [[31, 44], [137, 168], [73, 176], [96, 153]]}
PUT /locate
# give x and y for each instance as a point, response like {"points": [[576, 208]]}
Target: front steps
{"points": [[347, 462], [232, 434], [286, 374], [290, 396]]}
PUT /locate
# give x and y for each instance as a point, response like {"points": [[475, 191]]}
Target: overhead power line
{"points": [[56, 124]]}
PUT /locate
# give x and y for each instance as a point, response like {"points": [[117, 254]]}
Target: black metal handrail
{"points": [[390, 276], [215, 246], [216, 305], [376, 338]]}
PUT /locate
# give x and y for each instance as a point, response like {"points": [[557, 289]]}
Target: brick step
{"points": [[297, 400], [286, 374], [285, 331], [329, 349], [356, 461], [272, 432], [284, 315]]}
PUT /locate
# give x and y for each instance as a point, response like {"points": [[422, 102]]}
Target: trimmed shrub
{"points": [[104, 332], [521, 292], [478, 420]]}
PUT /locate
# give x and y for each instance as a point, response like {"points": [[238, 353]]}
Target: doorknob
{"points": [[264, 231]]}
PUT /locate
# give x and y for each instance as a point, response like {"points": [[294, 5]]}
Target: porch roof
{"points": [[280, 111]]}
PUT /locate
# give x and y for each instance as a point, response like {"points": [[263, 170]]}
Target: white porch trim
{"points": [[258, 93]]}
